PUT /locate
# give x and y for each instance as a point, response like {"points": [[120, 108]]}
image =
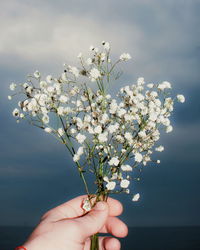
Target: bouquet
{"points": [[107, 136]]}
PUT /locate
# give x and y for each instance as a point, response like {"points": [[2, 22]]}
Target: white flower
{"points": [[120, 139], [49, 79], [60, 110], [9, 97], [124, 183], [103, 137], [50, 89], [138, 157], [159, 149], [114, 161], [164, 85], [45, 119], [91, 48], [13, 86], [61, 132], [106, 45], [89, 61], [73, 131], [121, 112], [63, 99], [43, 84], [153, 116], [128, 136], [94, 74], [98, 129], [79, 151], [113, 107], [74, 71], [126, 168], [76, 157], [102, 56], [86, 205], [136, 197], [140, 81], [158, 161], [142, 134], [48, 130], [37, 74], [180, 98], [113, 128], [150, 85], [15, 112], [80, 138], [169, 129], [110, 185], [125, 57], [104, 118]]}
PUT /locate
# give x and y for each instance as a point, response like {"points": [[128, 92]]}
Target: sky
{"points": [[36, 172]]}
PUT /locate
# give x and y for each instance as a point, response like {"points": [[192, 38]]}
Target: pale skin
{"points": [[69, 227]]}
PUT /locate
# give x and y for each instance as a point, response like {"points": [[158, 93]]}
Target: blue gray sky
{"points": [[36, 172]]}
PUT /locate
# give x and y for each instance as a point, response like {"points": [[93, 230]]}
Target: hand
{"points": [[67, 227]]}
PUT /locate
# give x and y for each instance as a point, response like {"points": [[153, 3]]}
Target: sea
{"points": [[139, 238]]}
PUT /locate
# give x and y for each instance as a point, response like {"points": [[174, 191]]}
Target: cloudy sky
{"points": [[163, 38]]}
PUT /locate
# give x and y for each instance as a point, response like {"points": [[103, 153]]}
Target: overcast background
{"points": [[36, 172]]}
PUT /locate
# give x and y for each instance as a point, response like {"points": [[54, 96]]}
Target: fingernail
{"points": [[100, 206]]}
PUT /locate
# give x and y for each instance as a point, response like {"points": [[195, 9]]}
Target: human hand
{"points": [[67, 227]]}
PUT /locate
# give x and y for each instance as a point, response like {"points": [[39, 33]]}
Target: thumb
{"points": [[93, 221]]}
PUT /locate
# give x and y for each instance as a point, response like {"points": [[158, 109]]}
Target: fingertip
{"points": [[111, 243], [115, 207]]}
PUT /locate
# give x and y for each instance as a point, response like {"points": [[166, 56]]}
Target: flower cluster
{"points": [[108, 136]]}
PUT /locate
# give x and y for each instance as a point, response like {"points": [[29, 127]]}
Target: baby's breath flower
{"points": [[159, 149], [80, 138], [45, 119], [48, 130], [49, 79], [43, 84], [118, 129], [106, 45], [91, 48], [13, 86], [74, 71], [181, 98], [150, 85], [114, 161], [169, 129], [136, 197], [94, 74], [125, 57], [138, 157], [111, 185], [126, 168], [61, 132], [124, 183], [164, 85], [76, 157], [16, 112], [37, 74], [98, 129], [103, 137], [89, 61]]}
